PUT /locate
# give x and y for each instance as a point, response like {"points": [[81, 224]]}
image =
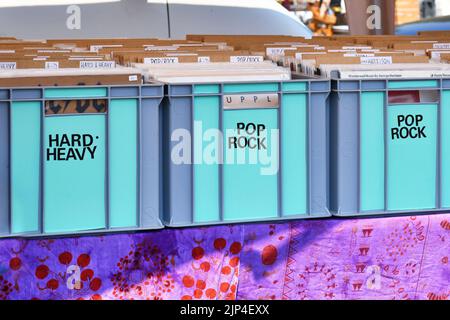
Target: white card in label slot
{"points": [[51, 65], [246, 59], [8, 65], [97, 64], [441, 45], [376, 60], [203, 59], [250, 101], [133, 78], [161, 60], [277, 51]]}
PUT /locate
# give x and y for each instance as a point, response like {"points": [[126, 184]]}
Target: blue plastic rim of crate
{"points": [[204, 181], [95, 169], [389, 156]]}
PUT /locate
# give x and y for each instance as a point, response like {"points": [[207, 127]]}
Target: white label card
{"points": [[161, 60], [51, 65], [376, 60], [359, 54], [441, 45], [8, 65], [278, 51], [97, 64], [246, 59], [203, 59]]}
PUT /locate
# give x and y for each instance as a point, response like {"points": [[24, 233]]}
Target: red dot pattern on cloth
{"points": [[220, 243], [269, 255], [65, 258], [52, 284], [188, 281], [42, 271], [211, 293], [198, 253], [15, 263], [235, 247], [83, 260]]}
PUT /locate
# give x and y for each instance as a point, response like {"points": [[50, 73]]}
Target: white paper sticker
{"points": [[376, 60], [51, 65], [8, 65], [356, 48], [53, 51], [246, 59], [203, 59], [359, 54], [97, 64], [133, 78], [161, 60], [162, 48], [437, 54], [441, 45], [278, 51], [97, 48]]}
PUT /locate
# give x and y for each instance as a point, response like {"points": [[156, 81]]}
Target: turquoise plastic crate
{"points": [[80, 159], [242, 152], [388, 156]]}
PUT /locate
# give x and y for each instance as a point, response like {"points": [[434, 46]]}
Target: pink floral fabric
{"points": [[378, 258]]}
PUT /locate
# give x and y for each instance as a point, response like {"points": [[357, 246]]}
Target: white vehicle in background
{"points": [[39, 19]]}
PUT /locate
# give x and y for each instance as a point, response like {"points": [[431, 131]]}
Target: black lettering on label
{"points": [[248, 135], [409, 127], [71, 147]]}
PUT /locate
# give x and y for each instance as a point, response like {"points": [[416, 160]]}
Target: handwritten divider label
{"points": [[359, 54], [51, 65], [441, 45], [376, 60], [250, 101], [87, 106], [246, 59], [97, 64], [203, 59], [160, 48], [278, 51], [160, 60], [8, 65]]}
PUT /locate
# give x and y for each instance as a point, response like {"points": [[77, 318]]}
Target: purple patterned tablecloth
{"points": [[379, 258]]}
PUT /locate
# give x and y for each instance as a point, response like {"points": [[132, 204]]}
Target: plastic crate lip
{"points": [[86, 86], [384, 213], [139, 94], [283, 219], [335, 84], [169, 92], [247, 82], [388, 80]]}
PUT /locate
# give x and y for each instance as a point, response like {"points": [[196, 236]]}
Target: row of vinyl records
{"points": [[126, 134], [206, 58]]}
